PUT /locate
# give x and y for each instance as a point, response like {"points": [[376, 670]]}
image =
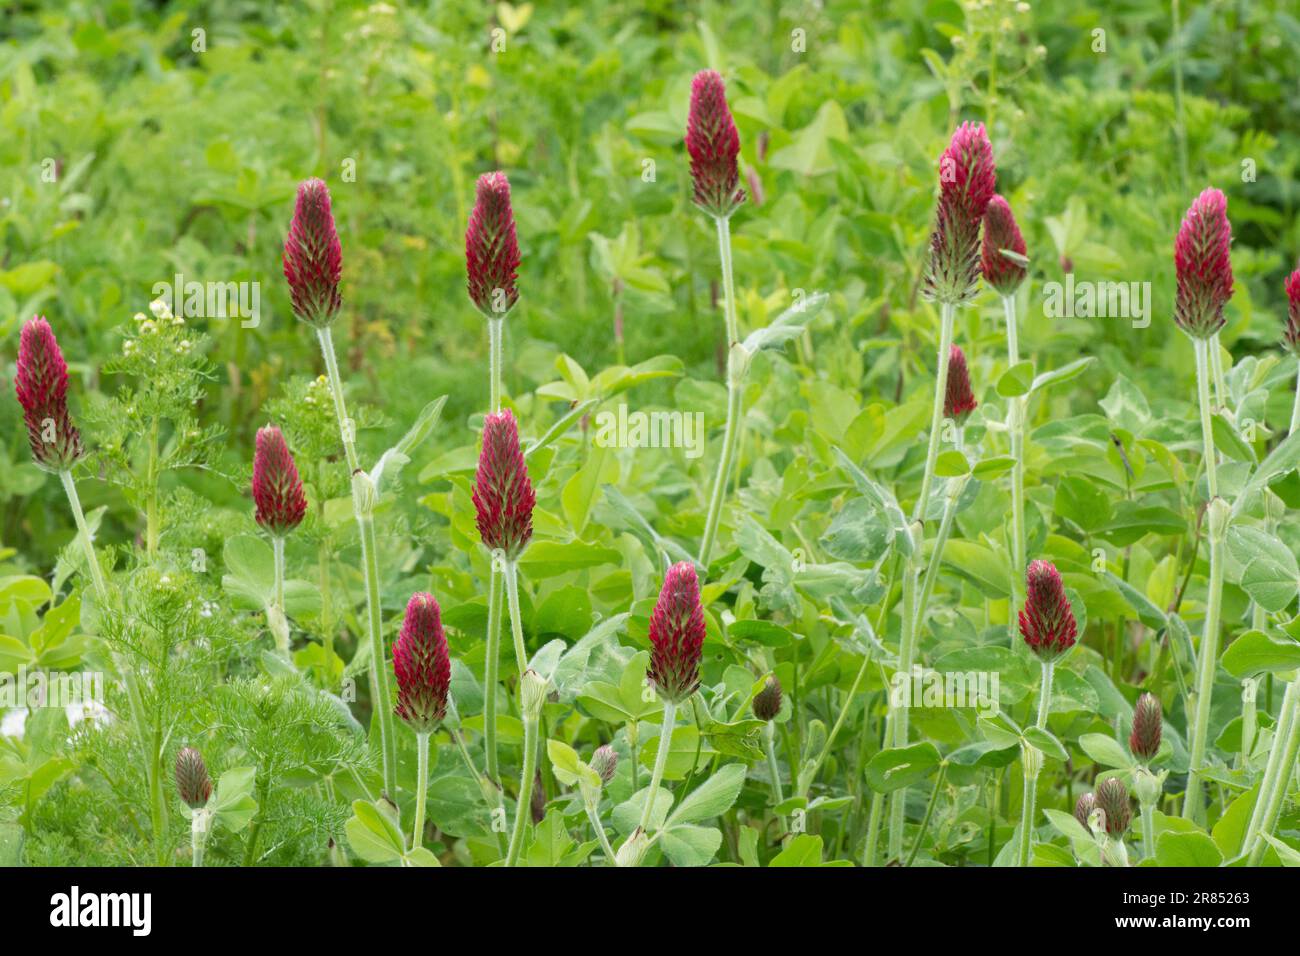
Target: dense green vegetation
{"points": [[142, 141]]}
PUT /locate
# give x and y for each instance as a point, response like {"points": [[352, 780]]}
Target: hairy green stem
{"points": [[948, 317], [275, 616], [491, 668], [906, 657], [936, 552], [383, 711], [1277, 775], [1032, 767], [661, 760], [1207, 657], [523, 803], [516, 621], [1148, 830], [495, 328], [734, 383], [421, 787], [929, 812], [1016, 430], [200, 824], [769, 737], [151, 502], [593, 815]]}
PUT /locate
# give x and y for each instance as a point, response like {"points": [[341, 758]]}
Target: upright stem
{"points": [[383, 710], [906, 657], [929, 812], [151, 502], [1216, 369], [907, 643], [594, 816], [1016, 429], [1148, 831], [661, 759], [522, 804], [769, 735], [1031, 772], [1207, 657], [495, 328], [948, 313], [92, 562], [936, 552], [421, 787], [1295, 408], [733, 394], [277, 549], [516, 622], [490, 675], [1277, 774], [200, 822], [276, 617]]}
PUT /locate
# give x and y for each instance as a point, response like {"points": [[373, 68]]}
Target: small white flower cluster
{"points": [[162, 315], [319, 392]]}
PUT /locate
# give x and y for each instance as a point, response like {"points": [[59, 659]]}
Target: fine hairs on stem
{"points": [[1208, 654], [383, 708], [661, 760], [734, 387], [1033, 763]]}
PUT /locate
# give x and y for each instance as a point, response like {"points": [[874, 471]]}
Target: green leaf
{"points": [[1044, 741], [992, 467], [1271, 585], [1017, 380], [392, 460], [899, 767], [788, 325], [690, 845], [548, 559], [1286, 854], [711, 798], [1257, 653], [1105, 750], [372, 835], [804, 850], [232, 804], [951, 464], [1063, 374], [1187, 849]]}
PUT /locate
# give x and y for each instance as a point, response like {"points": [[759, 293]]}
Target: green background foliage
{"points": [[175, 156]]}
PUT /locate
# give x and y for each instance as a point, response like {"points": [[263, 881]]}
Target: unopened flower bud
{"points": [[714, 145], [767, 702], [1147, 786], [532, 694], [503, 493], [1144, 741], [313, 257], [42, 385], [1204, 266], [677, 634], [192, 780], [277, 489], [1047, 621], [959, 399], [1083, 808], [605, 761], [1112, 796]]}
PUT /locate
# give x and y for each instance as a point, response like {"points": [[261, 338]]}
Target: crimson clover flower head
{"points": [[1144, 741], [1204, 266], [277, 489], [967, 180], [958, 399], [313, 258], [1083, 808], [1112, 796], [422, 665], [1001, 234], [767, 702], [42, 386], [677, 634], [1047, 622], [605, 761], [503, 493], [492, 248], [1291, 334], [713, 144], [192, 780]]}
